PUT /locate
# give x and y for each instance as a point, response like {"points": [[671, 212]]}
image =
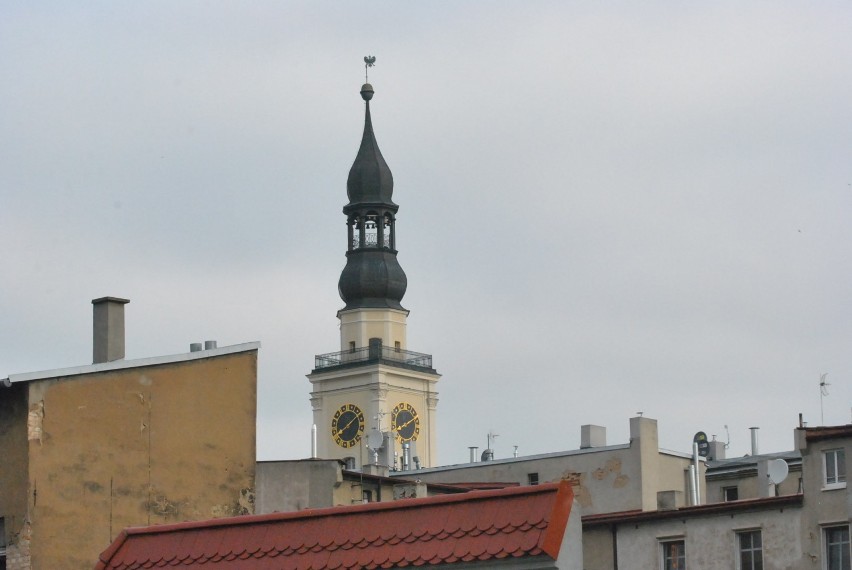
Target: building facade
{"points": [[606, 478], [90, 450], [799, 522]]}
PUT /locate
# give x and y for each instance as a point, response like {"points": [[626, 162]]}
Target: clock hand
{"points": [[344, 428], [411, 421]]}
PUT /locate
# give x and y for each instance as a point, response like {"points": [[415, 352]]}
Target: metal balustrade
{"points": [[382, 354]]}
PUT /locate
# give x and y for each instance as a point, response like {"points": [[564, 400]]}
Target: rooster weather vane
{"points": [[369, 61]]}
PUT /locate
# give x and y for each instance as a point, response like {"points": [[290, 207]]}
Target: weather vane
{"points": [[369, 61]]}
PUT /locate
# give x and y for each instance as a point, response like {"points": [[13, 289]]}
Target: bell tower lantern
{"points": [[374, 401]]}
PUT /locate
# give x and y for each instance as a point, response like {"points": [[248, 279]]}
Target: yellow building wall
{"points": [[135, 447], [13, 466]]}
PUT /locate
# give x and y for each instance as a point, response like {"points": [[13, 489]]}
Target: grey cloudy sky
{"points": [[605, 208]]}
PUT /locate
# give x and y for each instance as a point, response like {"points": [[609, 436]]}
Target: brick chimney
{"points": [[108, 329]]}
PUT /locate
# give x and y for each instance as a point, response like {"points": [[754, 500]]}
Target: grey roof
{"points": [[125, 364], [720, 467]]}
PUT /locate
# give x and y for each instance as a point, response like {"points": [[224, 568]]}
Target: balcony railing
{"points": [[381, 354]]}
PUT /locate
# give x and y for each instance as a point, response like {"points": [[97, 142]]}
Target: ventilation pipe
{"points": [[754, 440], [473, 449], [406, 456]]}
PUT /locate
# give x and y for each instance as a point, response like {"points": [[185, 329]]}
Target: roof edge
{"points": [[519, 459], [560, 514], [135, 363], [331, 511], [627, 517]]}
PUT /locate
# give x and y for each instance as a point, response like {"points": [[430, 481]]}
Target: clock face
{"points": [[405, 423], [347, 425]]}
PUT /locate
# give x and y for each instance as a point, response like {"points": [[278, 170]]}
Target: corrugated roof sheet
{"points": [[475, 526]]}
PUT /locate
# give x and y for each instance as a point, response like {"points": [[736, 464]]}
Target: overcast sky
{"points": [[605, 207]]}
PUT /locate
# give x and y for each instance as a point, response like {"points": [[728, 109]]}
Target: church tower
{"points": [[374, 401]]}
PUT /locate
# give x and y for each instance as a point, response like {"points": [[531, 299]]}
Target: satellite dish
{"points": [[777, 470], [375, 439]]}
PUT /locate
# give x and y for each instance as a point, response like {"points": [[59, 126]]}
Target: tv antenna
{"points": [[823, 391], [369, 61]]}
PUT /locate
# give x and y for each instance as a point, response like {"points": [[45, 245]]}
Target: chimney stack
{"points": [[108, 329], [592, 436]]}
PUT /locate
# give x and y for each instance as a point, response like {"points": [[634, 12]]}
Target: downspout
{"points": [[613, 529]]}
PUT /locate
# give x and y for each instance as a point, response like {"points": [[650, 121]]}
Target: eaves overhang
{"points": [[725, 508]]}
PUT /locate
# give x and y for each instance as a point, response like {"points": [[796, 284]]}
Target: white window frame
{"points": [[825, 545], [664, 543], [739, 534], [837, 459]]}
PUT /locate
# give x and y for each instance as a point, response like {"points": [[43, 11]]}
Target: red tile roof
{"points": [[475, 526]]}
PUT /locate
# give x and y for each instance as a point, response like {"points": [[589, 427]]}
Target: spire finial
{"points": [[369, 61]]}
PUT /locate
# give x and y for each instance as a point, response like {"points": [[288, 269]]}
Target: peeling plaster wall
{"points": [[135, 447], [13, 471], [605, 480]]}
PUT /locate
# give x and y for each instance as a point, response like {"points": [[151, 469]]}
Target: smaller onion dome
{"points": [[370, 180]]}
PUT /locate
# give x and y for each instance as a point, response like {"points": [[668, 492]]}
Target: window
{"points": [[837, 548], [751, 550], [730, 494], [351, 346], [532, 478], [834, 463], [674, 555], [366, 496], [397, 346]]}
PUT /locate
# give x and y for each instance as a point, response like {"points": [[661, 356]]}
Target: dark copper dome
{"points": [[372, 277], [370, 180]]}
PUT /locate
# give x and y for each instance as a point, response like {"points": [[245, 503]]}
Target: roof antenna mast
{"points": [[369, 61], [823, 391]]}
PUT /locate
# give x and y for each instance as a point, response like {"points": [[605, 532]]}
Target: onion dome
{"points": [[372, 277], [370, 180]]}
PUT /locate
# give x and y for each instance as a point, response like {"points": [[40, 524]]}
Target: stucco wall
{"points": [[711, 541], [823, 507], [747, 485], [295, 485], [597, 549], [139, 446], [604, 480]]}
